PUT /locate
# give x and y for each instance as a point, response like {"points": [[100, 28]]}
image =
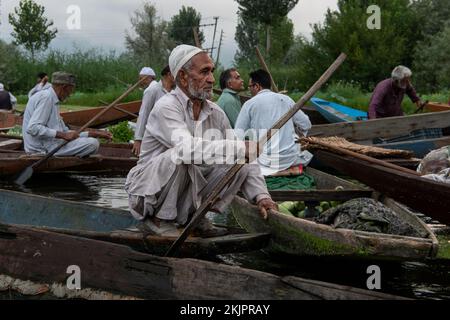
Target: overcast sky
{"points": [[103, 22]]}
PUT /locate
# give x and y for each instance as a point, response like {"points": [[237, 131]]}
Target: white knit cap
{"points": [[147, 71], [2, 87], [180, 56]]}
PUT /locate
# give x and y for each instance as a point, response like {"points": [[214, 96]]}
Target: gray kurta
{"points": [[42, 121], [173, 190], [151, 95]]}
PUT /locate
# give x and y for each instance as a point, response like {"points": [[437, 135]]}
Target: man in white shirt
{"points": [[42, 84], [44, 129], [260, 113], [151, 96]]}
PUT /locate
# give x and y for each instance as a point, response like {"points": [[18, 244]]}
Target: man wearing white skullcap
{"points": [[43, 128], [179, 166], [150, 76], [7, 100], [388, 95]]}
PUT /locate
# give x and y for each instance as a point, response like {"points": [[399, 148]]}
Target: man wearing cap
{"points": [[388, 95], [42, 84], [44, 129], [7, 101], [175, 173], [150, 76], [151, 96]]}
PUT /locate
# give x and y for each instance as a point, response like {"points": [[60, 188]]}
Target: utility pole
{"points": [[214, 36], [220, 46]]}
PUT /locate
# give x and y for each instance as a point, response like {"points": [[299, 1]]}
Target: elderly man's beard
{"points": [[199, 94]]}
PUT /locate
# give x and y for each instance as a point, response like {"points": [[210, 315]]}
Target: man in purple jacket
{"points": [[387, 97]]}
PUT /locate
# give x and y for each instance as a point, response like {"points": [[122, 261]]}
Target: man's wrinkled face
{"points": [[65, 92], [236, 83], [199, 80], [405, 83]]}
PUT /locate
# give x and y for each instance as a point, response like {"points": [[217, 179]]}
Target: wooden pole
{"points": [[214, 196], [28, 172], [121, 110], [265, 67], [196, 38]]}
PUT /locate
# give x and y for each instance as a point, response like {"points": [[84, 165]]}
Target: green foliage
{"points": [[434, 15], [432, 62], [8, 70], [122, 133], [31, 27], [267, 13], [180, 27], [151, 44], [372, 54], [250, 34]]}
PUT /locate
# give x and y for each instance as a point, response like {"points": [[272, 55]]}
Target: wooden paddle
{"points": [[135, 116], [266, 68], [214, 196], [28, 172]]}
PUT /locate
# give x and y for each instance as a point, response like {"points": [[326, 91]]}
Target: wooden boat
{"points": [[437, 107], [420, 133], [81, 117], [335, 112], [301, 237], [110, 271], [427, 196], [111, 225], [111, 158]]}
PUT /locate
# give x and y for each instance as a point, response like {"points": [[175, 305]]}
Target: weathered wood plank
{"points": [[319, 195]]}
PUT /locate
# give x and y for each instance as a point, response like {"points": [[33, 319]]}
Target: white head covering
{"points": [[147, 71], [180, 56], [2, 87]]}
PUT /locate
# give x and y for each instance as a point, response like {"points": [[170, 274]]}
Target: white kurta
{"points": [[42, 121], [151, 95], [160, 186], [258, 115], [39, 87]]}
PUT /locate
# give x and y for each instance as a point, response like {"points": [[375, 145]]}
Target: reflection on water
{"points": [[430, 280]]}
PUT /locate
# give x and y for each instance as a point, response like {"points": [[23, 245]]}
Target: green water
{"points": [[423, 280]]}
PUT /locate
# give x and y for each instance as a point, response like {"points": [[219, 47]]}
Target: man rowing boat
{"points": [[178, 166]]}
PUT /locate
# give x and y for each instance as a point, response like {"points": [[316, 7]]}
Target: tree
{"points": [[266, 12], [372, 54], [8, 69], [152, 45], [432, 62], [250, 34], [181, 26], [31, 27], [433, 15]]}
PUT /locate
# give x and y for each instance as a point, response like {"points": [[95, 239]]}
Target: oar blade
{"points": [[24, 176]]}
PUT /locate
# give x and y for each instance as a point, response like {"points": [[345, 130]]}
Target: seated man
{"points": [[44, 129], [7, 101], [388, 95], [151, 96], [260, 113], [178, 165], [231, 83], [42, 84]]}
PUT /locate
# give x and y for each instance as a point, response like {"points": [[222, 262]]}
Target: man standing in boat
{"points": [[151, 96], [260, 113], [388, 95], [231, 83], [179, 165], [43, 128]]}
